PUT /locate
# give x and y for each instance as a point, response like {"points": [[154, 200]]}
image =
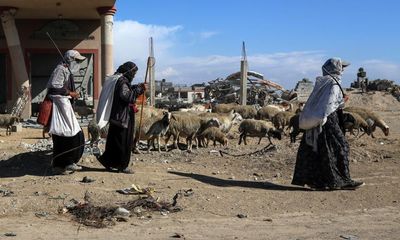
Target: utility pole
{"points": [[243, 76], [152, 82]]}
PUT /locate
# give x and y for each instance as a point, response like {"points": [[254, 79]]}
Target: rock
{"points": [[10, 234], [349, 237], [241, 215], [121, 212], [87, 179]]}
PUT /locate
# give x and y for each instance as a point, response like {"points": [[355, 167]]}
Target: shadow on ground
{"points": [[236, 183], [28, 163]]}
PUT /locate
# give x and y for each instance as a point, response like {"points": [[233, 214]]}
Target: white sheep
{"points": [[226, 120]]}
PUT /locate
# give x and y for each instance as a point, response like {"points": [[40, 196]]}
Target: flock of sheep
{"points": [[197, 126]]}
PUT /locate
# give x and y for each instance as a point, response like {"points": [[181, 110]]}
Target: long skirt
{"points": [[118, 147], [67, 150], [329, 166]]}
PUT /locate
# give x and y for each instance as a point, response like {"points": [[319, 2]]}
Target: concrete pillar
{"points": [[243, 76], [243, 82], [16, 55], [107, 21], [152, 81]]}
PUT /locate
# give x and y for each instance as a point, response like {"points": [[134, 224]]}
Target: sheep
{"points": [[294, 125], [226, 120], [188, 126], [247, 111], [267, 112], [158, 129], [224, 107], [196, 108], [95, 133], [281, 119], [257, 128], [215, 134], [371, 117], [353, 121], [6, 121], [84, 111], [150, 115]]}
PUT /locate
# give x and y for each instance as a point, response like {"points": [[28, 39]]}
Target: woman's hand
{"points": [[346, 98], [144, 86], [74, 94]]}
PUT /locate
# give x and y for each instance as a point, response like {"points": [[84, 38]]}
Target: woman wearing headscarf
{"points": [[121, 119], [67, 135], [322, 159]]}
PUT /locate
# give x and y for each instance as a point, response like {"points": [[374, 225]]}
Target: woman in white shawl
{"points": [[322, 160], [67, 135]]}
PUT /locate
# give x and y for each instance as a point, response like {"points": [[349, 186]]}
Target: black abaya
{"points": [[329, 166]]}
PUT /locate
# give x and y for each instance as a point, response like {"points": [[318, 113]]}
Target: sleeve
{"points": [[130, 93], [56, 83]]}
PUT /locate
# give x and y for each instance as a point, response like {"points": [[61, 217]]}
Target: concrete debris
{"points": [[259, 90], [41, 145], [6, 193]]}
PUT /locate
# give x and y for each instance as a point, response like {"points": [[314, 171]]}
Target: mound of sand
{"points": [[377, 101]]}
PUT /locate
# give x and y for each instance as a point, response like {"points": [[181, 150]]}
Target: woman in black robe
{"points": [[323, 156], [122, 119]]}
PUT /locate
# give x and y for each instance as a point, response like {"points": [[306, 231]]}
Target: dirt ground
{"points": [[246, 197]]}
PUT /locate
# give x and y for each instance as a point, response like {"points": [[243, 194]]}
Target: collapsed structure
{"points": [[259, 90]]}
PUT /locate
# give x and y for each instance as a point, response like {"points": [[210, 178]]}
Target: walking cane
{"points": [[143, 97]]}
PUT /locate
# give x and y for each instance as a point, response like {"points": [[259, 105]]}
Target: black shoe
{"points": [[352, 185], [101, 160], [126, 171]]}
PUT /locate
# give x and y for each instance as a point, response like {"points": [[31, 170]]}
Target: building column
{"points": [[17, 57], [107, 21], [243, 77], [152, 81]]}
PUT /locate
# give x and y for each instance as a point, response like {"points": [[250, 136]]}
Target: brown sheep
{"points": [[6, 121], [216, 135], [257, 128], [188, 125], [354, 121], [157, 130], [372, 117], [281, 119], [267, 112]]}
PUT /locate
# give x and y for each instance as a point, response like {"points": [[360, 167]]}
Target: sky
{"points": [[286, 40]]}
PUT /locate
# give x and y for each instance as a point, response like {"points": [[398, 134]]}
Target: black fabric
{"points": [[124, 95], [329, 167], [118, 146], [62, 145]]}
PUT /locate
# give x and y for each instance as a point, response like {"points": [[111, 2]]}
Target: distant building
{"points": [[188, 94], [304, 89]]}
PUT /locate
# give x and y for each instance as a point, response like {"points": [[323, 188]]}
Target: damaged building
{"points": [[28, 57]]}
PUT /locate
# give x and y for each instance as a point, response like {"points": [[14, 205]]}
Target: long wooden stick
{"points": [[143, 97]]}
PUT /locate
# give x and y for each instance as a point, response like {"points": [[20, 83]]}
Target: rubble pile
{"points": [[41, 145], [259, 90]]}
